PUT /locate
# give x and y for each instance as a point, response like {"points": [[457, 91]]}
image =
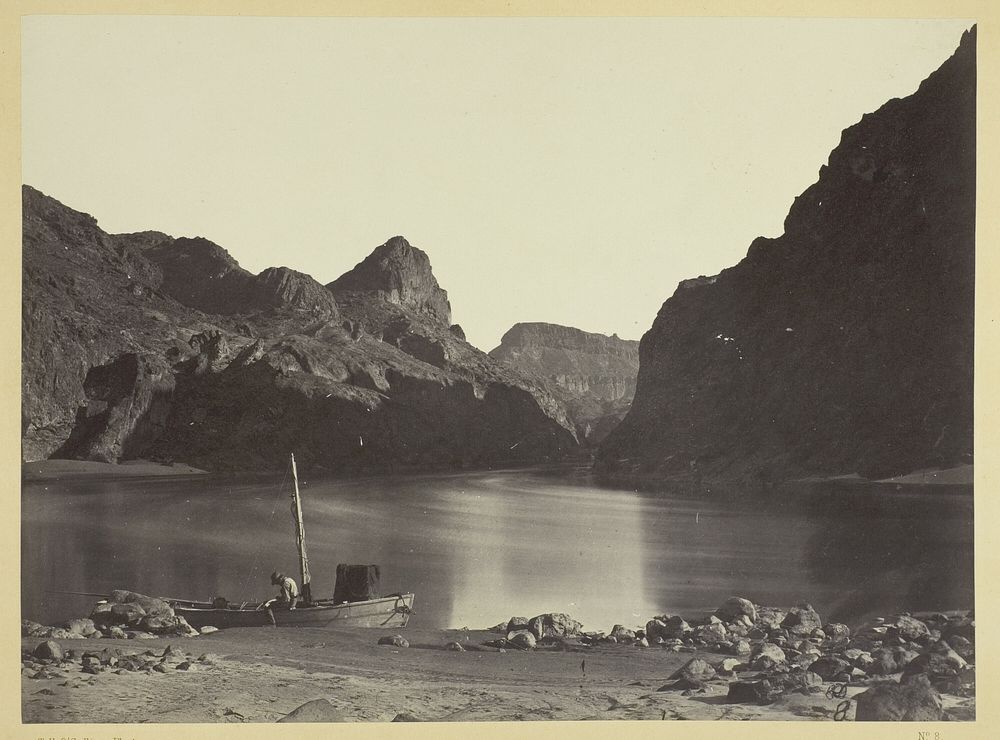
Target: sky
{"points": [[571, 170]]}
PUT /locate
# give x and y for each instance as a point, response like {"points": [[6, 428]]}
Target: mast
{"points": [[300, 536]]}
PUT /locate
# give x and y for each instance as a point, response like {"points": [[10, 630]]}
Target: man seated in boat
{"points": [[289, 593]]}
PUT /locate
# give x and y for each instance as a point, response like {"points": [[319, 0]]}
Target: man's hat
{"points": [[275, 577]]}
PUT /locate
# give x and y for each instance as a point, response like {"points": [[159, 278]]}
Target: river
{"points": [[477, 548]]}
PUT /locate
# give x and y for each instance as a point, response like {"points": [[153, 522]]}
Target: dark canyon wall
{"points": [[844, 345]]}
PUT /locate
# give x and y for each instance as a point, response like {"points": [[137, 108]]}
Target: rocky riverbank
{"points": [[743, 661]]}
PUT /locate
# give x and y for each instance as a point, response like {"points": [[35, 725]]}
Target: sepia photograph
{"points": [[492, 369]]}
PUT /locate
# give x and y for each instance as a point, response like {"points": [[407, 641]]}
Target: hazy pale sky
{"points": [[562, 170]]}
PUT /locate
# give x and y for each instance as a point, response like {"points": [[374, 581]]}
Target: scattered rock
{"points": [[455, 647], [940, 664], [32, 629], [802, 620], [208, 629], [906, 627], [766, 656], [394, 640], [48, 650], [915, 701], [728, 665], [516, 623], [829, 667], [711, 634], [769, 617], [667, 627], [407, 717], [317, 710], [695, 670], [84, 627], [837, 631], [522, 641], [751, 692], [741, 647], [621, 633], [554, 625], [962, 646], [125, 613]]}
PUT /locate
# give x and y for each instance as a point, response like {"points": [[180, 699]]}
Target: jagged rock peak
{"points": [[398, 273]]}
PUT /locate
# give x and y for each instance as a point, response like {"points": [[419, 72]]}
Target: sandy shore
{"points": [[262, 674]]}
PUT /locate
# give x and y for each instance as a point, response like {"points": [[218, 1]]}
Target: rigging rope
{"points": [[274, 508]]}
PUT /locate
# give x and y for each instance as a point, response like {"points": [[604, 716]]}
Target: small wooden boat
{"points": [[387, 611]]}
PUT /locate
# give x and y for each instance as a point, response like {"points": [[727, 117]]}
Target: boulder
{"points": [[711, 634], [751, 692], [123, 614], [728, 666], [667, 627], [84, 627], [939, 664], [454, 647], [766, 656], [883, 662], [695, 669], [32, 629], [516, 623], [735, 607], [554, 624], [837, 631], [139, 635], [915, 701], [148, 604], [48, 650], [829, 667], [741, 647], [621, 633], [208, 629], [317, 710], [116, 633], [802, 620], [906, 628], [962, 646], [802, 681], [523, 640], [394, 640], [683, 684], [903, 657], [769, 617], [162, 624]]}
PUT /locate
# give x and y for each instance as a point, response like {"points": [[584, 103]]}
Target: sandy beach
{"points": [[262, 674]]}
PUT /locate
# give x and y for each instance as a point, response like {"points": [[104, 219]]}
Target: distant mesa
{"points": [[593, 374]]}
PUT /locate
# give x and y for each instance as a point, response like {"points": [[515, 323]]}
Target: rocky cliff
{"points": [[844, 345], [593, 374], [142, 345]]}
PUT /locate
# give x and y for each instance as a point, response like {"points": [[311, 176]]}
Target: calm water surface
{"points": [[477, 548]]}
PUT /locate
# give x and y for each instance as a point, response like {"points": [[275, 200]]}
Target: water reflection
{"points": [[478, 548]]}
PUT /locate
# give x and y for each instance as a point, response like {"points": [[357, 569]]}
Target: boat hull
{"points": [[386, 612]]}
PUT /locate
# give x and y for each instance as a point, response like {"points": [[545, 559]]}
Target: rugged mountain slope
{"points": [[593, 374], [844, 345], [122, 359]]}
